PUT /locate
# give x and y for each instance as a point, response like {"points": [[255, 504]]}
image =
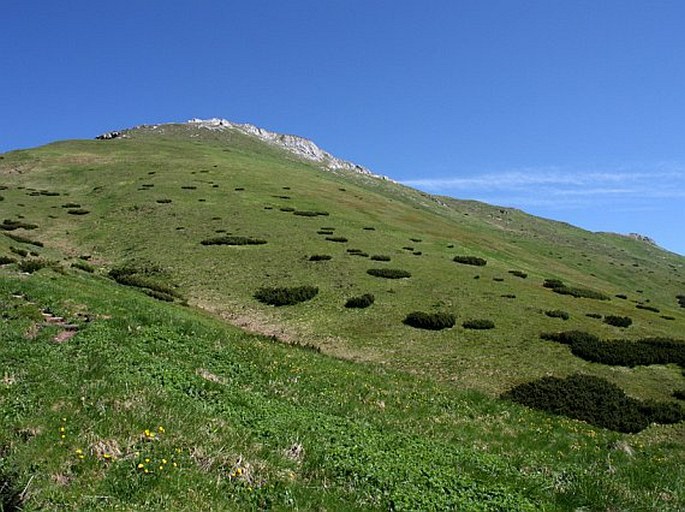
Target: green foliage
{"points": [[305, 213], [287, 209], [558, 286], [71, 205], [339, 239], [518, 273], [286, 296], [470, 260], [594, 400], [594, 315], [679, 394], [19, 251], [380, 257], [23, 239], [430, 321], [558, 313], [11, 225], [233, 240], [642, 352], [150, 278], [33, 265], [478, 324], [621, 296], [78, 211], [82, 265], [681, 300], [362, 301], [388, 273], [320, 257], [164, 201], [6, 260], [647, 308], [618, 321]]}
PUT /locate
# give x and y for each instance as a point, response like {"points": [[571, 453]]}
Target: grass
{"points": [[124, 223]]}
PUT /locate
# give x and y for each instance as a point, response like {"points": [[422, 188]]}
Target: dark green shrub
{"points": [[339, 239], [679, 394], [591, 399], [239, 189], [155, 294], [23, 239], [369, 228], [71, 205], [569, 337], [380, 257], [480, 324], [388, 273], [48, 193], [320, 257], [305, 213], [518, 273], [508, 296], [430, 321], [681, 300], [78, 211], [558, 313], [233, 240], [647, 308], [557, 286], [470, 260], [286, 296], [360, 254], [326, 228], [618, 321], [593, 315], [363, 301], [417, 240], [417, 253], [21, 252], [82, 265], [621, 296], [553, 283], [150, 278], [408, 248], [324, 232], [163, 201], [11, 225], [31, 266], [6, 260], [664, 413], [189, 187], [667, 317], [498, 279]]}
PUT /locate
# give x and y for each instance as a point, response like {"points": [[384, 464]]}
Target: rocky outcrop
{"points": [[299, 146], [641, 238], [110, 135]]}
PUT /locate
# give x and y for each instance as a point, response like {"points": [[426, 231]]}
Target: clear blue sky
{"points": [[573, 110]]}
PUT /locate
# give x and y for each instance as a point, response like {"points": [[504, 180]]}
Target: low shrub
{"points": [[417, 253], [48, 193], [667, 317], [163, 201], [647, 308], [82, 265], [148, 277], [23, 239], [78, 211], [305, 213], [189, 187], [33, 265], [363, 301], [71, 205], [408, 248], [618, 321], [430, 321], [480, 324], [594, 400], [388, 273], [558, 286], [417, 240], [593, 315], [518, 273], [327, 228], [239, 189], [286, 296], [380, 257], [558, 313], [320, 257], [681, 300], [470, 260], [6, 260], [621, 296], [360, 254], [11, 225], [498, 279], [324, 232], [679, 394], [233, 240], [20, 252], [508, 296], [339, 239], [369, 228]]}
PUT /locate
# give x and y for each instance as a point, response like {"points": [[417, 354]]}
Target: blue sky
{"points": [[569, 110]]}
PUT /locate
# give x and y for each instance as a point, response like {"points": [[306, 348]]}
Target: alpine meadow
{"points": [[212, 316]]}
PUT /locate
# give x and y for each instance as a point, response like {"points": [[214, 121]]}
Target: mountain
{"points": [[149, 244]]}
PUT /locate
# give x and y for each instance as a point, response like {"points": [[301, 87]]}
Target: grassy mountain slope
{"points": [[150, 199]]}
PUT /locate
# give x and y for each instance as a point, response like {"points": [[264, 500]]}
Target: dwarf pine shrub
{"points": [[647, 308], [594, 400], [360, 302], [71, 205], [380, 257], [518, 273], [286, 296], [558, 313], [11, 225], [82, 265], [681, 300], [593, 315], [163, 201], [470, 260], [6, 260], [233, 240], [618, 321], [23, 239], [388, 273], [430, 321], [480, 324], [320, 257], [339, 239]]}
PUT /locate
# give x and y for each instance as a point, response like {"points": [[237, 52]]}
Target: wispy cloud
{"points": [[563, 188]]}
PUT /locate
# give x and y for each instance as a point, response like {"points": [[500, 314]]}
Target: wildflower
{"points": [[161, 429], [164, 461], [107, 456], [141, 465]]}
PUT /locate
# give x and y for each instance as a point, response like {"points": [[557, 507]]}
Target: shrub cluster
{"points": [[339, 239], [618, 321], [233, 240], [430, 321], [21, 252], [480, 324], [681, 300], [71, 205], [558, 286], [594, 400], [163, 201], [31, 266], [621, 296], [78, 211], [363, 301], [647, 308], [641, 352], [11, 225], [82, 265], [558, 313], [470, 260], [369, 228], [593, 315], [679, 394], [518, 273], [6, 260], [306, 213], [380, 257], [388, 273], [286, 296], [23, 239], [146, 276], [320, 257], [287, 209]]}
